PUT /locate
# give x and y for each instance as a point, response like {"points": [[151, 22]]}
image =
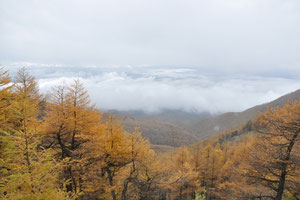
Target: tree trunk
{"points": [[71, 187], [62, 146], [281, 183], [284, 166], [110, 178], [26, 141], [126, 181], [180, 195]]}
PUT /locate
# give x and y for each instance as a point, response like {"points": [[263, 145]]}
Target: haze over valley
{"points": [[150, 100], [153, 89]]}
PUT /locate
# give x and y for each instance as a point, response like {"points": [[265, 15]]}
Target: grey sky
{"points": [[242, 48], [228, 34]]}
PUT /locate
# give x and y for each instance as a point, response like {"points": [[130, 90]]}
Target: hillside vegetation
{"points": [[179, 128], [62, 147], [158, 132]]}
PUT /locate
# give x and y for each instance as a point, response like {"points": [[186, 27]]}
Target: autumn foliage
{"points": [[59, 146]]}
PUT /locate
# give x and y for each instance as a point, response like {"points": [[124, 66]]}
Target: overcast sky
{"points": [[203, 55]]}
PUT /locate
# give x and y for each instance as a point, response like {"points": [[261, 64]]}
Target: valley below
{"points": [[170, 129]]}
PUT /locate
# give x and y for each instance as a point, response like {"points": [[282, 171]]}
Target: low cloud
{"points": [[152, 89], [213, 56]]}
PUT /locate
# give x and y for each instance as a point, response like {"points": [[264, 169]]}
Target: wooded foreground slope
{"points": [[63, 148]]}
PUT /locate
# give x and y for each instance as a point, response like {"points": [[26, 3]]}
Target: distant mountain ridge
{"points": [[210, 126], [175, 128]]}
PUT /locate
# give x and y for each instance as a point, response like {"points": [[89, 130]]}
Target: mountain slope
{"points": [[175, 128], [158, 132], [210, 126]]}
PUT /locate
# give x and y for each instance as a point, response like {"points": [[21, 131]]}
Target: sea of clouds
{"points": [[198, 56], [153, 88]]}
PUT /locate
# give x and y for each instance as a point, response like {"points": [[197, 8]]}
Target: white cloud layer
{"points": [[152, 89], [195, 55]]}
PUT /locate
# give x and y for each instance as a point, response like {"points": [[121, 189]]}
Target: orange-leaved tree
{"points": [[29, 171], [71, 121], [272, 163]]}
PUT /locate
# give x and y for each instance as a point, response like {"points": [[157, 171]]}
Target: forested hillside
{"points": [[210, 126], [61, 147], [158, 132], [177, 128]]}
